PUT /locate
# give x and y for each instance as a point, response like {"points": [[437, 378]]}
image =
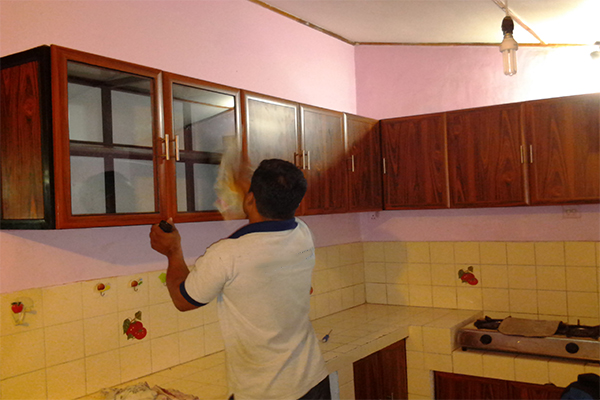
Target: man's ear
{"points": [[249, 204], [249, 199]]}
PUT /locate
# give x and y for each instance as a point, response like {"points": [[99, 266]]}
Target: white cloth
{"points": [[262, 283]]}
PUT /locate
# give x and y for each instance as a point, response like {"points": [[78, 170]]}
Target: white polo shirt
{"points": [[261, 277]]}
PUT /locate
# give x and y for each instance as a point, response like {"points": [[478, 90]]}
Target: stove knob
{"points": [[572, 348], [485, 339]]}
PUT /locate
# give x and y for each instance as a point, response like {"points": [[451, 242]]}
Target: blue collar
{"points": [[265, 226]]}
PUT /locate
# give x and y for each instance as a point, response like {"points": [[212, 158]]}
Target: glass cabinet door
{"points": [[201, 123], [108, 161], [110, 134]]}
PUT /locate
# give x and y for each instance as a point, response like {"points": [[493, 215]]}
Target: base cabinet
{"points": [[382, 375], [457, 386]]}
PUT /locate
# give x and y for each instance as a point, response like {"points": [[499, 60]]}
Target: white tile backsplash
{"points": [[77, 331]]}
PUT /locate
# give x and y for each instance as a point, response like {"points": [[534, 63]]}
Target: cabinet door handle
{"points": [[303, 159], [522, 154], [176, 147], [308, 160], [530, 154], [167, 155], [352, 162], [384, 168]]}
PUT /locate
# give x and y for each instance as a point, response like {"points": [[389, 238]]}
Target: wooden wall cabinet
{"points": [[414, 156], [201, 122], [563, 148], [486, 157], [326, 167], [26, 167], [457, 386], [382, 375], [540, 152], [90, 141], [339, 153], [110, 159], [272, 129], [363, 153]]}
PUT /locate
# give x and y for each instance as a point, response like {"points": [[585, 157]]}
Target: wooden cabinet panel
{"points": [[526, 391], [364, 157], [271, 129], [21, 143], [382, 375], [414, 151], [564, 140], [485, 157], [26, 180], [457, 386], [326, 166]]}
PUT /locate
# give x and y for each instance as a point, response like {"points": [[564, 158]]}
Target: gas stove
{"points": [[568, 341]]}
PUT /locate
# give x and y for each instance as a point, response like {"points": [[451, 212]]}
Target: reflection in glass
{"points": [[111, 136], [203, 120], [87, 180]]}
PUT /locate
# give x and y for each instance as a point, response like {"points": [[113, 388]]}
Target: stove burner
{"points": [[488, 323], [578, 331], [567, 330]]}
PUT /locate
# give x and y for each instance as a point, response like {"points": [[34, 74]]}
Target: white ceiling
{"points": [[446, 21]]}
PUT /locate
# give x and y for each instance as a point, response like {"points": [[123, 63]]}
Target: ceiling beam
{"points": [[504, 7]]}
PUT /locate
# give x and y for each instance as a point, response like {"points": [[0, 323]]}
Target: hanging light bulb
{"points": [[509, 46]]}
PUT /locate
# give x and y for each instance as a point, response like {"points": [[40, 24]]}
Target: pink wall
{"points": [[240, 44], [395, 81], [232, 42], [519, 224]]}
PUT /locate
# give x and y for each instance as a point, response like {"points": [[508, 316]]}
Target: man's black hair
{"points": [[278, 187]]}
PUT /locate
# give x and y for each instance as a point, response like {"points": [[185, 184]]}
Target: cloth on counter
{"points": [[528, 327], [142, 391]]}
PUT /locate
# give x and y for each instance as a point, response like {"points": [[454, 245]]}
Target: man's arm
{"points": [[169, 245]]}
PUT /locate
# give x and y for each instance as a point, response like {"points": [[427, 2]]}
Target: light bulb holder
{"points": [[508, 26], [508, 43]]}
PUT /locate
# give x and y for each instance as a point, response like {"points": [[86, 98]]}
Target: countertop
{"points": [[365, 329], [357, 332], [353, 334]]}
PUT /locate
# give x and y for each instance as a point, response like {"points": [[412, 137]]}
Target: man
{"points": [[261, 278]]}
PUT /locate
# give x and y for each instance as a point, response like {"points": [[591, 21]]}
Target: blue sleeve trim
{"points": [[186, 296]]}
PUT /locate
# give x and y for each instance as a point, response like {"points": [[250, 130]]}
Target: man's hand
{"points": [[168, 244]]}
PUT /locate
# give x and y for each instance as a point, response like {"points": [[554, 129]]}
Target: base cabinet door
{"points": [[563, 139], [456, 386], [382, 375], [525, 391]]}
